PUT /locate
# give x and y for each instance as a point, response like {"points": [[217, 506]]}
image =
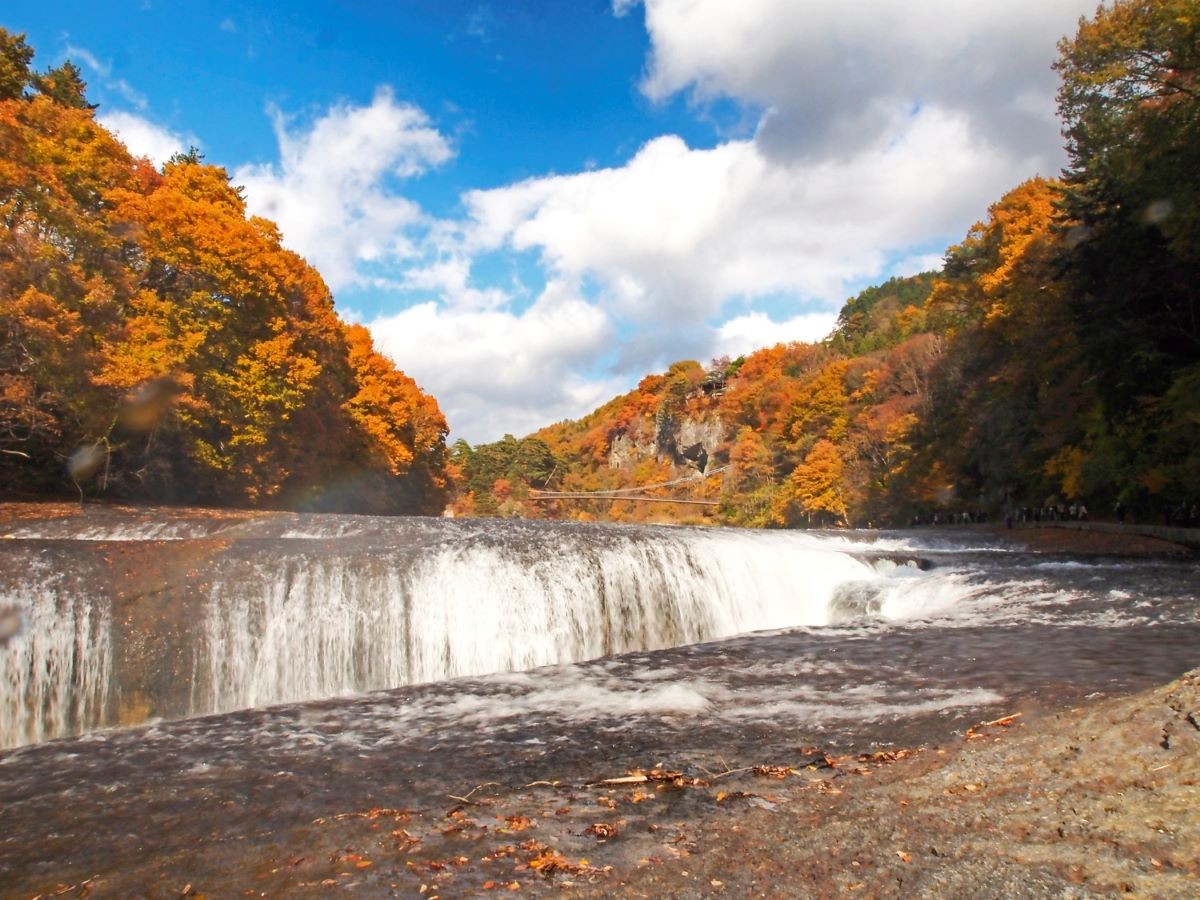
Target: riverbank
{"points": [[1095, 799], [27, 510], [1098, 799], [1093, 539], [1087, 539]]}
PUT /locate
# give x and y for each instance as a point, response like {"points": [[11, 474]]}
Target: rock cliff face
{"points": [[710, 433], [639, 442], [630, 447]]}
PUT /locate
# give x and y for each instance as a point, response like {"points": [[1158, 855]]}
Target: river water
{"points": [[184, 686]]}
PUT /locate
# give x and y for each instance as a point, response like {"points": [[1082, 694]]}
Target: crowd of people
{"points": [[1061, 512], [1181, 516], [948, 518], [1178, 516]]}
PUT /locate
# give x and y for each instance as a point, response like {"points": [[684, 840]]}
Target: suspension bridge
{"points": [[636, 494]]}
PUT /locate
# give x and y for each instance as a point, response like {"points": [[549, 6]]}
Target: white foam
{"points": [[80, 530], [323, 627], [55, 672], [861, 706], [283, 626]]}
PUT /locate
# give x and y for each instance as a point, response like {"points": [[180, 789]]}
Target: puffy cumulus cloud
{"points": [[495, 371], [330, 191], [675, 234], [886, 130], [836, 72], [143, 137], [672, 241], [744, 334], [450, 278]]}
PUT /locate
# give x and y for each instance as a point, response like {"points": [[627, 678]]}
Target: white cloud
{"points": [[105, 71], [886, 129], [677, 233], [143, 137], [497, 371], [753, 331], [331, 193], [833, 72], [450, 278]]}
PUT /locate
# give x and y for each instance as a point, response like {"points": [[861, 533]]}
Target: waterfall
{"points": [[311, 627], [313, 607], [55, 672]]}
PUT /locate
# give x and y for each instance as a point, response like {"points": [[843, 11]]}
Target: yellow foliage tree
{"points": [[814, 490]]}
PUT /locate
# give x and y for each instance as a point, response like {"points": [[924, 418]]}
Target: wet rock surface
{"points": [[1094, 800], [1100, 799], [803, 762]]}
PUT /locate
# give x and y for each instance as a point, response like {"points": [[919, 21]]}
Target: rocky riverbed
{"points": [[1027, 787], [1097, 799]]}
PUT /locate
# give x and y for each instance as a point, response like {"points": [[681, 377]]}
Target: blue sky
{"points": [[532, 204]]}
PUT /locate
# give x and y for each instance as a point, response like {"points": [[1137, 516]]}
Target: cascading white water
{"points": [[319, 627], [55, 672], [302, 630], [344, 604]]}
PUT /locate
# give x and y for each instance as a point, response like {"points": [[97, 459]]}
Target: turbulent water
{"points": [[214, 669], [128, 619], [222, 616]]}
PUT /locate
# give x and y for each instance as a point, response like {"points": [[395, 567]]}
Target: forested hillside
{"points": [[159, 344], [1055, 358]]}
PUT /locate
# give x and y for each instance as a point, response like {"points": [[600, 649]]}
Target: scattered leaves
{"points": [[514, 824], [405, 842], [400, 815], [882, 756], [773, 771]]}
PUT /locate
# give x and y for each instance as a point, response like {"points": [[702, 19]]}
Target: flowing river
{"points": [[169, 667]]}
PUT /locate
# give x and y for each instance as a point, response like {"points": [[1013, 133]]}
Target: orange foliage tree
{"points": [[145, 315]]}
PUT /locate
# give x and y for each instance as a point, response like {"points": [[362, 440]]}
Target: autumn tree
{"points": [[402, 424], [65, 86], [814, 490], [1130, 104], [146, 317], [749, 489]]}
